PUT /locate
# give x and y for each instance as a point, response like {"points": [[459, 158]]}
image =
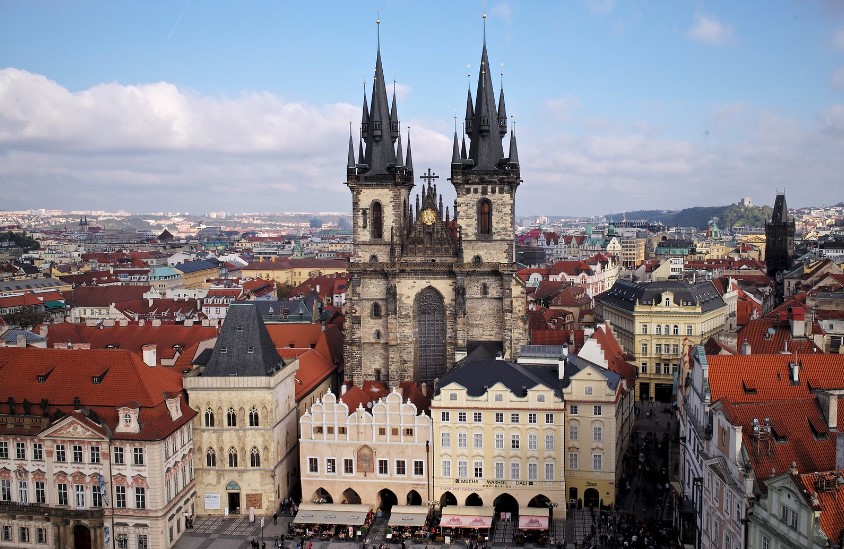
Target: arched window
{"points": [[232, 457], [211, 458], [253, 417], [484, 289], [254, 458], [659, 329], [377, 221], [676, 330], [377, 335], [431, 335], [231, 418], [209, 417], [667, 329], [484, 217], [376, 310]]}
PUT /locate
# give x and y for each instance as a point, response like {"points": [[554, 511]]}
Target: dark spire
{"points": [[351, 162], [408, 164], [463, 148], [399, 153], [502, 114], [364, 119], [379, 146], [394, 116], [780, 213], [455, 154], [514, 151], [485, 147], [470, 113], [360, 152]]}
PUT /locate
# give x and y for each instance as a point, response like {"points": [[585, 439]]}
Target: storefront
{"points": [[326, 521]]}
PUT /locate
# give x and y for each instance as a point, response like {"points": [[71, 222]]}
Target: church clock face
{"points": [[428, 216]]}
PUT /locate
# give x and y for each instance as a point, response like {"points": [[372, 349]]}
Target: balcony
{"points": [[8, 508]]}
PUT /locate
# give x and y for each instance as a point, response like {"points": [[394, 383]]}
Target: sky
{"points": [[202, 105]]}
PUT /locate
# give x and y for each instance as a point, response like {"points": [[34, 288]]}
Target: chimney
{"points": [[424, 390], [149, 352], [141, 322], [21, 340], [188, 322], [124, 322], [829, 406], [149, 302], [42, 331], [343, 389], [797, 321], [794, 373], [156, 322]]}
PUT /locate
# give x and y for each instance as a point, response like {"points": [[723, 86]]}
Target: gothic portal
{"points": [[431, 284]]}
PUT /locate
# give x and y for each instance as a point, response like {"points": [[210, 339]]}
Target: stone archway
{"points": [[505, 503], [321, 495], [447, 499], [386, 499], [474, 500], [81, 537], [350, 496], [591, 498], [413, 498]]}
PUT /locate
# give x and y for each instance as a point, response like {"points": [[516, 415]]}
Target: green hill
{"points": [[734, 215]]}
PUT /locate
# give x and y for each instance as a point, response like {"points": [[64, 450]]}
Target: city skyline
{"points": [[617, 107]]}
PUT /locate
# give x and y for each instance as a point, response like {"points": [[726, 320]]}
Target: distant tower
{"points": [[779, 240]]}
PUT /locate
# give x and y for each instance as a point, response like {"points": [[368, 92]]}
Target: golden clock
{"points": [[428, 216]]}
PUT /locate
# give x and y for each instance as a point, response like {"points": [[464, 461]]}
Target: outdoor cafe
{"points": [[327, 521], [466, 522], [408, 521]]}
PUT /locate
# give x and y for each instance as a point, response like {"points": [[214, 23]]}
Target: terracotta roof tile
{"points": [[829, 488]]}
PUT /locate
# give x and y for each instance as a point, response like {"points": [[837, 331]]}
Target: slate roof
{"points": [[576, 364], [244, 347], [626, 294], [477, 376], [29, 284], [11, 336], [196, 266]]}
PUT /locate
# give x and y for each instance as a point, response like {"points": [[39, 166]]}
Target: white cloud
{"points": [[561, 109], [709, 30], [600, 7], [502, 11]]}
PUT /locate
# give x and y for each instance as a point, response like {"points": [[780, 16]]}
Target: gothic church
{"points": [[429, 286]]}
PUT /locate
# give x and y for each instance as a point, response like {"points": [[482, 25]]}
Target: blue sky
{"points": [[245, 106]]}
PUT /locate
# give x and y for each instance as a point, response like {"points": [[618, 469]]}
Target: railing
{"points": [[9, 507]]}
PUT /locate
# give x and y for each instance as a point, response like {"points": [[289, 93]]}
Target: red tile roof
{"points": [[829, 487], [730, 376], [104, 296], [614, 354], [768, 335], [313, 370]]}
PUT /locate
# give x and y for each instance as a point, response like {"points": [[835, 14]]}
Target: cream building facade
{"points": [[498, 437], [380, 456], [655, 322], [245, 427]]}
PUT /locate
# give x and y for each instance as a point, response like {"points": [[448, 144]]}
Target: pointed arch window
{"points": [[377, 221], [429, 309], [210, 458], [484, 289], [376, 310], [484, 217], [231, 418], [253, 417], [232, 457], [209, 417], [254, 458]]}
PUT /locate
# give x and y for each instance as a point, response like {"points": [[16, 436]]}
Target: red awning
{"points": [[463, 521], [529, 522]]}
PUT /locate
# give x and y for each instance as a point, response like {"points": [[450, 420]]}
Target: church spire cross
{"points": [[429, 176]]}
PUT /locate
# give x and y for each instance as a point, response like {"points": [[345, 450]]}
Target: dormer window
{"points": [[224, 350], [127, 419], [251, 350]]}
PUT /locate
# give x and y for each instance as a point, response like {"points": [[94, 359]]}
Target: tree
{"points": [[24, 318], [283, 290]]}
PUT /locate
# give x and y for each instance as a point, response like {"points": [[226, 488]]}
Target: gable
{"points": [[72, 427]]}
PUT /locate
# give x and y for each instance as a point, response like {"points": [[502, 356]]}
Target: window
{"points": [[23, 534], [118, 455], [446, 439], [232, 457], [477, 417], [667, 329], [401, 467], [514, 418], [515, 471], [20, 450], [658, 348], [377, 221], [96, 496], [23, 496], [461, 417], [499, 417], [573, 432], [675, 349], [549, 419], [533, 441], [95, 454], [688, 329], [254, 457], [231, 418], [40, 492], [675, 330], [514, 442], [766, 542], [597, 410], [376, 310], [40, 535], [478, 440], [462, 440], [452, 396], [445, 416], [499, 470], [462, 469], [498, 396], [140, 498], [597, 434], [531, 418], [7, 533], [122, 541], [79, 496], [644, 368], [597, 462], [644, 348], [644, 329], [60, 454], [446, 468], [478, 469], [313, 465], [484, 217], [533, 471], [549, 471], [120, 496], [330, 466], [383, 467], [587, 390], [418, 467], [61, 493], [658, 329], [5, 490], [573, 409], [549, 442], [210, 458], [348, 466], [138, 455], [37, 451], [499, 441], [209, 417], [253, 417]]}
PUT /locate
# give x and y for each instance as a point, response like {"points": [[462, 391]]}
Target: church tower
{"points": [[427, 288], [779, 241]]}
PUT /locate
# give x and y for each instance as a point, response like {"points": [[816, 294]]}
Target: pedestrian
{"points": [[275, 519], [263, 545]]}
